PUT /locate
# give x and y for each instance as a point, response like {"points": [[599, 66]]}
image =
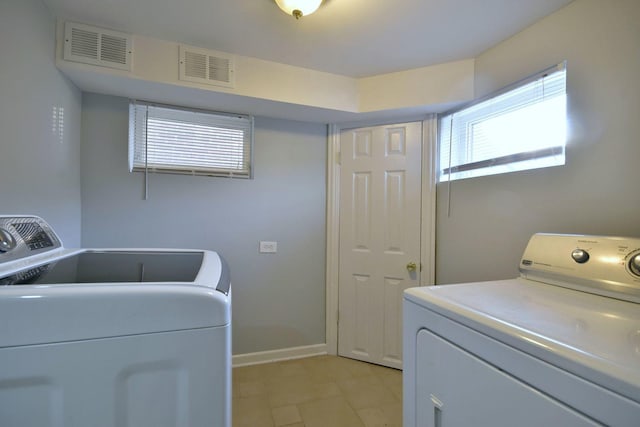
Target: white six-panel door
{"points": [[380, 200]]}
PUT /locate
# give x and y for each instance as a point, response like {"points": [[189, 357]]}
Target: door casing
{"points": [[428, 200]]}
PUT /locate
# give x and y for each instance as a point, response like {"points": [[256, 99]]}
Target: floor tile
{"points": [[248, 388], [334, 412], [354, 384], [382, 416], [397, 391], [321, 391], [255, 372], [286, 415], [251, 412], [295, 393], [328, 372], [366, 392], [292, 368], [392, 378]]}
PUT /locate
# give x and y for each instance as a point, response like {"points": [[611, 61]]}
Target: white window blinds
{"points": [[520, 128], [176, 140]]}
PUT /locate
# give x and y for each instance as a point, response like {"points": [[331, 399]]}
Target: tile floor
{"points": [[322, 391]]}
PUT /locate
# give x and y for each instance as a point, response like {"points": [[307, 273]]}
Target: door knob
{"points": [[411, 267]]}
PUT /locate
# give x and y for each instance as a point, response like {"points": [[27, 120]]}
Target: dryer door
{"points": [[455, 388]]}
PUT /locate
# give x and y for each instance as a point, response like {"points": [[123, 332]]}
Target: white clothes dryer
{"points": [[111, 337], [558, 346]]}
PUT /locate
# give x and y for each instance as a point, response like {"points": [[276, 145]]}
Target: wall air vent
{"points": [[97, 46], [206, 66]]}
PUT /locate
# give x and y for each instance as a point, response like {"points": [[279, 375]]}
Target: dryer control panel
{"points": [[604, 265], [23, 236]]}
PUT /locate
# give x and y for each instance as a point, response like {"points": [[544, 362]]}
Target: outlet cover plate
{"points": [[268, 247]]}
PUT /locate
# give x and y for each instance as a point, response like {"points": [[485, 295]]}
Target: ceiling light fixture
{"points": [[299, 8]]}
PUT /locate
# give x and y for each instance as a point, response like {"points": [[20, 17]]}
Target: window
{"points": [[520, 128], [177, 140]]}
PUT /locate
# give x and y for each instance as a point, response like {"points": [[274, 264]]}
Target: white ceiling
{"points": [[354, 38]]}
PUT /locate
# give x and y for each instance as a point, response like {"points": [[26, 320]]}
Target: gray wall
{"points": [[278, 299], [596, 192], [39, 122]]}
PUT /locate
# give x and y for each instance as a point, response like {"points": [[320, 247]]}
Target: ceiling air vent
{"points": [[97, 46], [206, 66]]}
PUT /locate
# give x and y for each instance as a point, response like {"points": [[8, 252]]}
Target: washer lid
{"points": [[110, 302], [595, 337]]}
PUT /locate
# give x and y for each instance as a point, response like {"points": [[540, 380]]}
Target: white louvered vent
{"points": [[97, 46], [206, 66]]}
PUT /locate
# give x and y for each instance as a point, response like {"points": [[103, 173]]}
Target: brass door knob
{"points": [[411, 267]]}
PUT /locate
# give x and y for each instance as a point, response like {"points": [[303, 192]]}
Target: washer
{"points": [[558, 346], [113, 337]]}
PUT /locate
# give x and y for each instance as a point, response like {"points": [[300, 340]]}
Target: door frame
{"points": [[427, 217]]}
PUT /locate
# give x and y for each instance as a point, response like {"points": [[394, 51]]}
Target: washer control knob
{"points": [[580, 256], [7, 242], [634, 264]]}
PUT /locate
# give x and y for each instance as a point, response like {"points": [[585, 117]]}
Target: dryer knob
{"points": [[634, 264], [7, 242], [580, 256]]}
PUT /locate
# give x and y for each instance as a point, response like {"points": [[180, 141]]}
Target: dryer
{"points": [[111, 337], [557, 346]]}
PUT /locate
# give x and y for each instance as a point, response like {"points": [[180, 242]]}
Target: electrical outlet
{"points": [[268, 247]]}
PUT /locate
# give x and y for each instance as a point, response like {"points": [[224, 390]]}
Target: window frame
{"points": [[446, 172], [138, 138]]}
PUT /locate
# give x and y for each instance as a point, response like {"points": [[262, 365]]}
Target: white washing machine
{"points": [[111, 338], [558, 346]]}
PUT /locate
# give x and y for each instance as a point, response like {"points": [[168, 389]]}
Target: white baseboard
{"points": [[278, 355]]}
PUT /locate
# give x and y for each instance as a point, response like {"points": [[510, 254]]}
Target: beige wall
{"points": [[596, 192]]}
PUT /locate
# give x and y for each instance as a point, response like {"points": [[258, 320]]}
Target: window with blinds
{"points": [[176, 140], [522, 127]]}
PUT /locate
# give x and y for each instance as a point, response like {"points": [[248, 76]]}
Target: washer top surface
{"points": [[103, 303], [114, 266], [593, 336], [49, 294]]}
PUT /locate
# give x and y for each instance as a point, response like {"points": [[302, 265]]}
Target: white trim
{"points": [[278, 355], [382, 122], [427, 218], [333, 238]]}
